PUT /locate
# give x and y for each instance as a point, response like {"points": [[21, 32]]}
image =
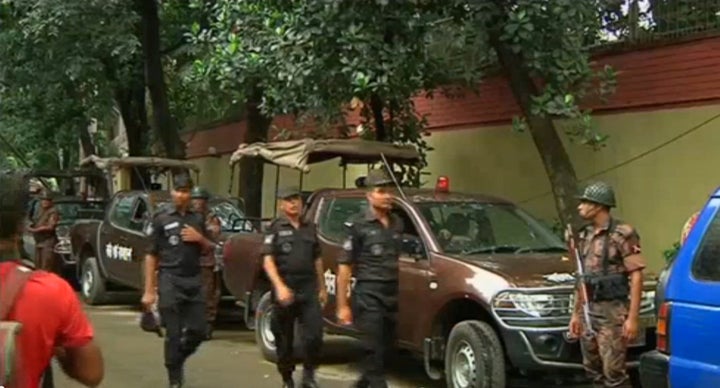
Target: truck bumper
{"points": [[654, 368], [538, 350]]}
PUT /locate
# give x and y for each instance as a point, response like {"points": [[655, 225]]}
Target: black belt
{"points": [[179, 271], [378, 281], [296, 277]]}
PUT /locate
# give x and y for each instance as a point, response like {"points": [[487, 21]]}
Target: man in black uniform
{"points": [[293, 265], [371, 252], [172, 277]]}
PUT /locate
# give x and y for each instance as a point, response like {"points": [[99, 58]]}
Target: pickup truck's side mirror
{"points": [[413, 246], [242, 225]]}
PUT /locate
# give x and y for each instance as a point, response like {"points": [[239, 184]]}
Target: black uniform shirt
{"points": [[175, 255], [294, 250], [372, 249]]}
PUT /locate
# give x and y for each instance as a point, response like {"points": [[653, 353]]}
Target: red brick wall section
{"points": [[674, 75]]}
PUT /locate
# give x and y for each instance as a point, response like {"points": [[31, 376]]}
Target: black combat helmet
{"points": [[199, 193], [600, 193]]}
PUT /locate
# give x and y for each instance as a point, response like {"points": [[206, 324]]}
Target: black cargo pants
{"points": [[307, 311], [181, 304], [375, 307]]}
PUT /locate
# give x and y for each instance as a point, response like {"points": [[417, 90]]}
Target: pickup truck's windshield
{"points": [[467, 228], [229, 213], [71, 210], [68, 210]]}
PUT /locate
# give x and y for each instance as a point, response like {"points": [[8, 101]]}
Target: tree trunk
{"points": [[88, 148], [557, 163], [131, 102], [251, 169], [165, 126], [377, 107], [86, 141]]}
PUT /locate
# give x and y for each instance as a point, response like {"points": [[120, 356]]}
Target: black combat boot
{"points": [[176, 377], [209, 332], [308, 380], [176, 383], [361, 383], [288, 382]]}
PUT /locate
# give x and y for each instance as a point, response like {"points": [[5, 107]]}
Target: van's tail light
{"points": [[663, 328]]}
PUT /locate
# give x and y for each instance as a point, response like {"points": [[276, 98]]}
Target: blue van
{"points": [[688, 325]]}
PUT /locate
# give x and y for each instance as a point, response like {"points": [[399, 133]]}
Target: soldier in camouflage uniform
{"points": [[43, 230], [210, 271], [613, 265]]}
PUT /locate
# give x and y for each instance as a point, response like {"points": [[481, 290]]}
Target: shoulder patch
{"points": [[171, 225]]}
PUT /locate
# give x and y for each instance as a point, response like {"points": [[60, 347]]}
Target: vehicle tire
{"points": [[264, 337], [474, 357], [92, 284]]}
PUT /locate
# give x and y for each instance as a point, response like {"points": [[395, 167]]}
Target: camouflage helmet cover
{"points": [[199, 193], [600, 193]]}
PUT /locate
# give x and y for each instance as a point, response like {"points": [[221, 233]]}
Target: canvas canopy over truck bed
{"points": [[70, 181], [119, 170], [301, 154]]}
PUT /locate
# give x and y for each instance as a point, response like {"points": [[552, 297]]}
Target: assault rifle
{"points": [[587, 323]]}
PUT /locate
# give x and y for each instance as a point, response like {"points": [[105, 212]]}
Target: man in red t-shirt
{"points": [[54, 323]]}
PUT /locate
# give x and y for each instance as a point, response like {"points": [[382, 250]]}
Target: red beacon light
{"points": [[442, 185]]}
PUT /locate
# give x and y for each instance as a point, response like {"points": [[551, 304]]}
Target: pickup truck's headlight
{"points": [[647, 303], [534, 305], [62, 232], [63, 246]]}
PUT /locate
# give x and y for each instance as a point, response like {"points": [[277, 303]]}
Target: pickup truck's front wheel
{"points": [[264, 336], [91, 283], [474, 357]]}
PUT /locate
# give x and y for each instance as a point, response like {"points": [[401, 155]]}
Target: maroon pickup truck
{"points": [[486, 290]]}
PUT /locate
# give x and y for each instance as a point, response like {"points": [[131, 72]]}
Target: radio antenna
{"points": [[392, 176]]}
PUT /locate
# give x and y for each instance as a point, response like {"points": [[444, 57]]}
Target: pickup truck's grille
{"points": [[546, 309]]}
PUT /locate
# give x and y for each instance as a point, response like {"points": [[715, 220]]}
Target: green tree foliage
{"points": [[63, 63], [53, 79], [313, 57]]}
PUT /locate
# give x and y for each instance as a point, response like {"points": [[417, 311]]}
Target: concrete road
{"points": [[134, 359]]}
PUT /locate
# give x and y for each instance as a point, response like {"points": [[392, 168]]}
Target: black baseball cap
{"points": [[288, 192], [182, 181]]}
